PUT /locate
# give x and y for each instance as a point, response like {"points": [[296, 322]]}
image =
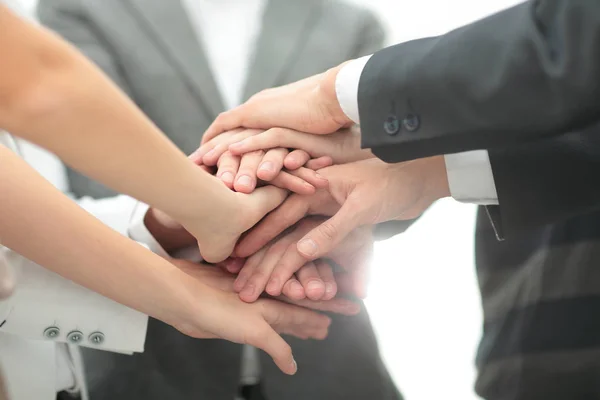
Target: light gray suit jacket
{"points": [[149, 48]]}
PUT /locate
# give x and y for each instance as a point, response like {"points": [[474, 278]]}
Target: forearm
{"points": [[54, 97], [49, 229], [481, 86]]}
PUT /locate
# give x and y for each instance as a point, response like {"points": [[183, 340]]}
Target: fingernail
{"points": [[328, 288], [244, 180], [227, 177], [210, 153], [267, 166], [294, 364], [314, 286], [248, 291], [307, 247], [273, 285], [320, 177]]}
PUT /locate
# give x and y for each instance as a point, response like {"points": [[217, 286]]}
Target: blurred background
{"points": [[423, 297]]}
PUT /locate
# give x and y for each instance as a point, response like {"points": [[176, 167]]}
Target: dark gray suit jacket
{"points": [[540, 288], [526, 73], [149, 48]]}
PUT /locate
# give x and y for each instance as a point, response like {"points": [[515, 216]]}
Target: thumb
{"points": [[324, 238], [266, 339], [264, 200]]}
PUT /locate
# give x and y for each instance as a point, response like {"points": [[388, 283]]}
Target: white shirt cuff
{"points": [[346, 87], [470, 177], [138, 231]]}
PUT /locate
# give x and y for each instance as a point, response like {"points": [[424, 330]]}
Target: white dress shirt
{"points": [[470, 176]]}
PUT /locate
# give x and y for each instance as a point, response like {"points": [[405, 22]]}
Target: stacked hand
{"points": [[361, 190], [220, 313], [326, 221], [213, 310]]}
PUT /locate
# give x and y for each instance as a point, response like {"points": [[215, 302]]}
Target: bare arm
{"points": [[52, 96], [42, 224]]}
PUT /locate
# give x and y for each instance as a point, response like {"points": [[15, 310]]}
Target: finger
{"points": [[228, 166], [293, 320], [265, 338], [311, 176], [223, 142], [290, 212], [208, 145], [261, 274], [324, 238], [338, 305], [293, 290], [233, 265], [245, 180], [291, 262], [225, 121], [296, 159], [311, 281], [326, 273], [264, 200], [279, 137], [271, 164], [248, 269], [318, 163], [286, 180]]}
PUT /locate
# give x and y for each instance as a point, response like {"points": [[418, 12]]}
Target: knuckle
{"points": [[328, 230]]}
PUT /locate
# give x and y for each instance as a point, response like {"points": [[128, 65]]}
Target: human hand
{"points": [[293, 292], [242, 173], [362, 193], [274, 271], [309, 105], [342, 146], [210, 309], [218, 231]]}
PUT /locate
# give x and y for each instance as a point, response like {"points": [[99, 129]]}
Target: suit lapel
{"points": [[171, 30], [286, 24]]}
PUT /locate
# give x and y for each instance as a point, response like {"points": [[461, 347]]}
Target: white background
{"points": [[424, 300]]}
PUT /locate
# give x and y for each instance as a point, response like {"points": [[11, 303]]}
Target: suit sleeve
{"points": [[546, 181], [529, 72]]}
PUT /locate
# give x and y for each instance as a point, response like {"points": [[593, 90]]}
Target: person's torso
{"points": [[541, 297], [170, 76]]}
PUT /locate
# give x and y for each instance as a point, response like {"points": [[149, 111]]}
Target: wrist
{"points": [[326, 91], [437, 182]]}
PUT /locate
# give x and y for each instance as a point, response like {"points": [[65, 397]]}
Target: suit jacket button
{"points": [[52, 332], [411, 123], [75, 337], [391, 126], [96, 338]]}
